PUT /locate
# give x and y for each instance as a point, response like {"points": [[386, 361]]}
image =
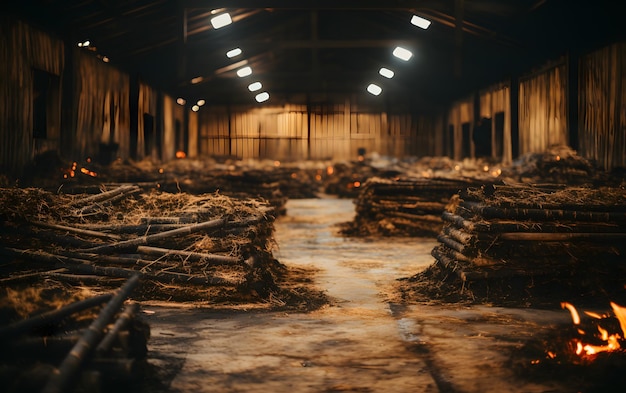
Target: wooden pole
{"points": [[61, 379]]}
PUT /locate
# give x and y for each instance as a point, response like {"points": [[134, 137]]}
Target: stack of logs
{"points": [[176, 242], [404, 206], [73, 348], [568, 240]]}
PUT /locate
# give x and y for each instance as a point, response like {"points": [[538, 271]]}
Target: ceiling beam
{"points": [[307, 4]]}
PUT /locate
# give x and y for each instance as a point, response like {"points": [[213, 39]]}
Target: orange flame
{"points": [[88, 172], [181, 154], [611, 341]]}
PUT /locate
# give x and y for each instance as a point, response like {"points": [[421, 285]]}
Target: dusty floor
{"points": [[359, 343]]}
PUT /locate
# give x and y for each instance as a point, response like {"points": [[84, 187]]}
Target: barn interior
{"points": [[315, 196]]}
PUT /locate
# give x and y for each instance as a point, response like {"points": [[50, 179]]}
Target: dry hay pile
{"points": [[522, 245], [404, 206], [207, 249], [557, 165]]}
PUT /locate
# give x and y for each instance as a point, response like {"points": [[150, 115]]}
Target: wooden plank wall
{"points": [[492, 100], [172, 114], [103, 114], [542, 109], [602, 106], [22, 49], [193, 130], [461, 112], [336, 131], [148, 104]]}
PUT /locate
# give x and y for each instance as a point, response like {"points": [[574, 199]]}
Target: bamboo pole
{"points": [[105, 195], [144, 240], [122, 321], [26, 325], [61, 379], [193, 256], [78, 231]]}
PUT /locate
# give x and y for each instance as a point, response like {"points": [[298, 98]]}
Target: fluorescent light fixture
{"points": [[200, 102], [221, 20], [374, 89], [420, 22], [402, 54], [262, 96], [195, 108], [233, 52], [255, 86], [386, 72], [181, 101], [245, 71]]}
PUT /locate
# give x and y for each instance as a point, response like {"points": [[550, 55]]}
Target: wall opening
{"points": [[148, 134], [482, 138], [46, 108], [499, 135], [467, 140]]}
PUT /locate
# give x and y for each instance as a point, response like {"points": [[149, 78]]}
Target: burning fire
{"points": [[609, 341], [181, 154]]}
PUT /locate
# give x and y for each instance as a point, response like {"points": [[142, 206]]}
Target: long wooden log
{"points": [[96, 206], [459, 235], [161, 276], [453, 244], [150, 239], [542, 214], [78, 231], [561, 237], [62, 379], [122, 321], [104, 195], [26, 325], [189, 255]]}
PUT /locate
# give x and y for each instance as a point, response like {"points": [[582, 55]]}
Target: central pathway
{"points": [[357, 343]]}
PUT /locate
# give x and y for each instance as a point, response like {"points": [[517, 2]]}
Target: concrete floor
{"points": [[359, 343]]}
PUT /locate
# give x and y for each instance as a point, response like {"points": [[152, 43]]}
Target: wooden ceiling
{"points": [[309, 49]]}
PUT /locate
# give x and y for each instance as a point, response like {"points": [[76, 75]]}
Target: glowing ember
{"points": [[181, 154], [330, 170], [88, 172], [276, 163], [609, 341]]}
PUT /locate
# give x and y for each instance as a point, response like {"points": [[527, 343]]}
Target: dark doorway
{"points": [[46, 109], [499, 135], [148, 134], [134, 138], [482, 138], [467, 140], [449, 141]]}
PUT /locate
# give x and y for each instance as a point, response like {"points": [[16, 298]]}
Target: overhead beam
{"points": [[307, 4], [319, 44]]}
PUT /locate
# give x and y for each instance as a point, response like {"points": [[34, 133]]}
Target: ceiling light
{"points": [[262, 96], [255, 86], [195, 108], [200, 102], [221, 20], [420, 22], [245, 71], [386, 72], [402, 54], [374, 89], [233, 52], [181, 101], [196, 80]]}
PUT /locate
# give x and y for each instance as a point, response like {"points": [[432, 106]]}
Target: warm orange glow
{"points": [[573, 311], [88, 159], [486, 168], [88, 172], [611, 340], [181, 154], [330, 170], [161, 170], [457, 167], [276, 163], [357, 184], [318, 177], [294, 175], [558, 158]]}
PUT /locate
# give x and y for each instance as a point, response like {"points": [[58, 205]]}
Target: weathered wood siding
{"points": [[542, 109], [103, 111], [336, 131], [193, 130], [496, 100], [460, 115], [23, 49], [148, 105], [602, 106]]}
